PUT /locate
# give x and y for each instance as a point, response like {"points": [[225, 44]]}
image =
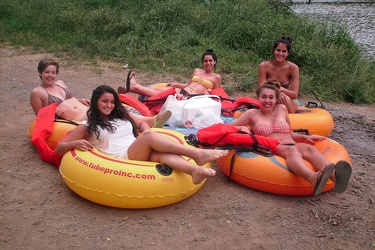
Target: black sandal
{"points": [[128, 78], [343, 171], [324, 176]]}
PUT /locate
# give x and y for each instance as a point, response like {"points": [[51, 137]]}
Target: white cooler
{"points": [[201, 107]]}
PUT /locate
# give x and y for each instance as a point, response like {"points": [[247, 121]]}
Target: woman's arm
{"points": [[245, 119], [245, 129], [293, 90], [262, 72], [75, 139], [306, 138], [140, 125], [217, 83], [179, 85], [85, 101], [36, 101]]}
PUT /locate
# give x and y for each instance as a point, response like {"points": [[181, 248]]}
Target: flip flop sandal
{"points": [[128, 80], [159, 123], [324, 176], [342, 173]]}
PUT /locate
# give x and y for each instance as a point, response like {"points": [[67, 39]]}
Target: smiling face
{"points": [[208, 62], [281, 52], [106, 103], [267, 99], [48, 75]]}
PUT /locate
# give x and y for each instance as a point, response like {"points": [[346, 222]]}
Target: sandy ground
{"points": [[38, 211]]}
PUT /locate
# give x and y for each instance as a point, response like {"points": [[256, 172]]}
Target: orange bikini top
{"points": [[205, 83]]}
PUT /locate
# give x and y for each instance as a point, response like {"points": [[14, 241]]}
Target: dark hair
{"points": [[285, 40], [270, 84], [94, 116], [43, 64], [209, 52]]}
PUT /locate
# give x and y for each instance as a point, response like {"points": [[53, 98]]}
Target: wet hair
{"points": [[285, 40], [94, 115], [43, 64], [270, 84], [210, 52]]}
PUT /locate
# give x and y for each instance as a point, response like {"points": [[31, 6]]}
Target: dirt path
{"points": [[38, 211]]}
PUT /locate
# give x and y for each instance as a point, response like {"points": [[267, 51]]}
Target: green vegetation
{"points": [[171, 36]]}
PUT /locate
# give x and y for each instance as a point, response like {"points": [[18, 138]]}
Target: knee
{"points": [[312, 150], [294, 152], [309, 150], [290, 152], [148, 133], [288, 99]]}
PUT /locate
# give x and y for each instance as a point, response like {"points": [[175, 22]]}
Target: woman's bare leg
{"points": [[291, 105], [150, 141], [176, 162], [312, 155], [137, 88], [295, 163], [158, 119]]}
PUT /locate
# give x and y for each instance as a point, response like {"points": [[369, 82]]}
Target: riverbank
{"points": [[357, 16], [169, 37], [38, 211]]}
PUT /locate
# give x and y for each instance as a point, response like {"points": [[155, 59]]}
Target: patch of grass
{"points": [[171, 35]]}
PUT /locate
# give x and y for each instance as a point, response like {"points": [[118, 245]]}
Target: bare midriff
{"points": [[195, 88], [72, 109]]}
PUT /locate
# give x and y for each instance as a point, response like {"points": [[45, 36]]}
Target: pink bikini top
{"points": [[266, 130]]}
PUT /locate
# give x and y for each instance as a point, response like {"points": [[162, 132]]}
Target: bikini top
{"points": [[266, 130], [205, 83], [58, 100]]}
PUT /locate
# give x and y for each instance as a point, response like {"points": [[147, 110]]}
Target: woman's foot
{"points": [[208, 155], [343, 171], [122, 90], [200, 173], [161, 118], [322, 178]]}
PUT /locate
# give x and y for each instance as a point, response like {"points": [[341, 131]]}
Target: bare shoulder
{"points": [[61, 83], [218, 77], [281, 108], [37, 91], [265, 64], [252, 114], [197, 71], [293, 66]]}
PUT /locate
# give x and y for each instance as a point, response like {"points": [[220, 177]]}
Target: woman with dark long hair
{"points": [[201, 81], [112, 130], [280, 69]]}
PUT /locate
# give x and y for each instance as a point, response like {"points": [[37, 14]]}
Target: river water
{"points": [[358, 18]]}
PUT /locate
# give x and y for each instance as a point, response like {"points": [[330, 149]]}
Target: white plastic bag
{"points": [[172, 104]]}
